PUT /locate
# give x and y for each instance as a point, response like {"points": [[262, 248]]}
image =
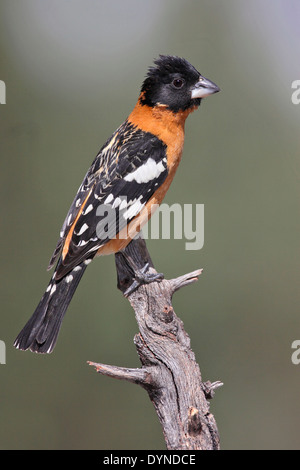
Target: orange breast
{"points": [[164, 124]]}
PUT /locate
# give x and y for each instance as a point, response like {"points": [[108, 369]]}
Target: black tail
{"points": [[41, 331]]}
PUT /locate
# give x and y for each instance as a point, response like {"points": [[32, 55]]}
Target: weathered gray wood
{"points": [[169, 371]]}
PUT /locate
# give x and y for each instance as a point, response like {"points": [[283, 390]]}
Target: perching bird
{"points": [[132, 172]]}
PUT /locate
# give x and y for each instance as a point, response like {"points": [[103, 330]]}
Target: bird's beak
{"points": [[204, 88]]}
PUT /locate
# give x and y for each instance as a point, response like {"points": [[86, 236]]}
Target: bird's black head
{"points": [[175, 83]]}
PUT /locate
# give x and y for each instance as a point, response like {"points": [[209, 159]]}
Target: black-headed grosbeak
{"points": [[132, 172]]}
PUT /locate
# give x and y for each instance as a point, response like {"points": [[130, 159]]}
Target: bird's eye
{"points": [[178, 82]]}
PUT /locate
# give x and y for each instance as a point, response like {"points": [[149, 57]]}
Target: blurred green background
{"points": [[73, 71]]}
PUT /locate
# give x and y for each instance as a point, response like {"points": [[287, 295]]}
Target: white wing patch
{"points": [[108, 199], [88, 209], [134, 208], [83, 229], [53, 289], [148, 171]]}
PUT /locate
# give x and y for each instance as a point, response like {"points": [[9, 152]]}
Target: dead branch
{"points": [[169, 371]]}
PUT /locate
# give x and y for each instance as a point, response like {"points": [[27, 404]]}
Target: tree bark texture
{"points": [[169, 372]]}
